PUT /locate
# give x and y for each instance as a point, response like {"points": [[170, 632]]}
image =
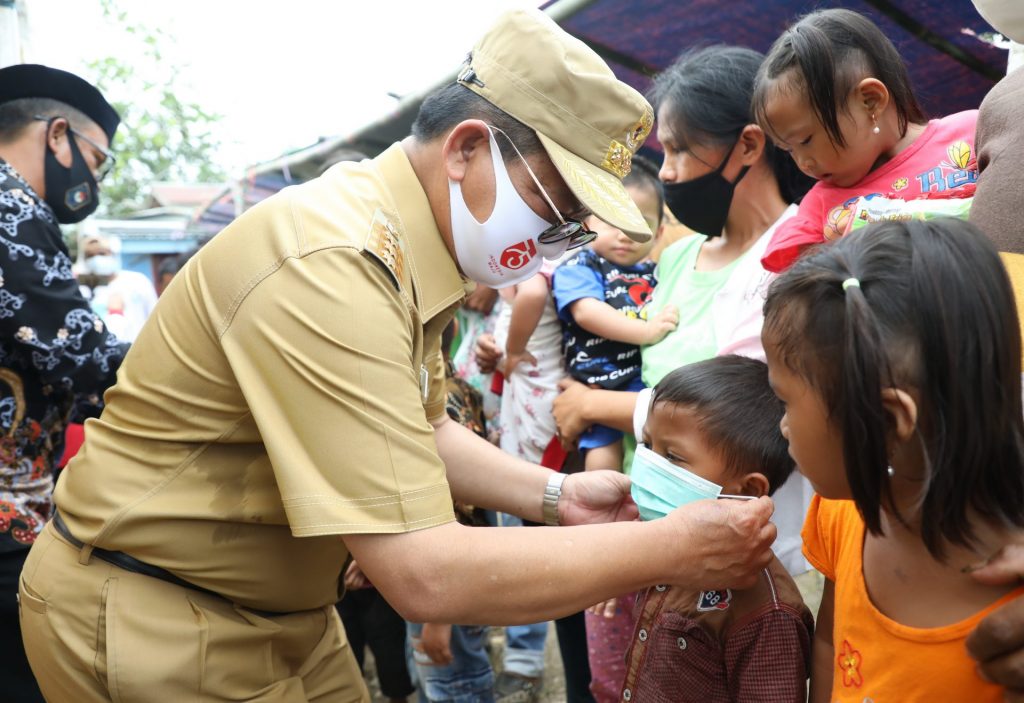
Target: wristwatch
{"points": [[552, 492]]}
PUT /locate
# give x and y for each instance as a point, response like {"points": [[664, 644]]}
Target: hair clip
{"points": [[851, 282]]}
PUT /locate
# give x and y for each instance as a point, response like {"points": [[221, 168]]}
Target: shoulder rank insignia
{"points": [[385, 244]]}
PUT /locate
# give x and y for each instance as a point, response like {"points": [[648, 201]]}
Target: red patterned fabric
{"points": [[753, 647]]}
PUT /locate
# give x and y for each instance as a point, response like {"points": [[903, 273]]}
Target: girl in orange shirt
{"points": [[897, 352]]}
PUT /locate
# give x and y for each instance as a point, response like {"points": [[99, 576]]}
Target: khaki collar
{"points": [[436, 280]]}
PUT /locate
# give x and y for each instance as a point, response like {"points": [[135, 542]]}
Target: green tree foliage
{"points": [[163, 136]]}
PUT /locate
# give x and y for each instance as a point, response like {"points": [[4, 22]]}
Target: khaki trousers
{"points": [[95, 632]]}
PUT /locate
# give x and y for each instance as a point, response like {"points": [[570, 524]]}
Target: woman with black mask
{"points": [[727, 182]]}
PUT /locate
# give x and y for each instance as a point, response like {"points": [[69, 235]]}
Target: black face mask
{"points": [[702, 204], [70, 191]]}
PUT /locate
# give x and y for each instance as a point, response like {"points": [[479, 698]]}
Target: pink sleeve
{"points": [[804, 229], [745, 338], [768, 659]]}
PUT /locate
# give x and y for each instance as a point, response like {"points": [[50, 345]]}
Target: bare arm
{"points": [[452, 573], [824, 652], [527, 308], [481, 474], [601, 319]]}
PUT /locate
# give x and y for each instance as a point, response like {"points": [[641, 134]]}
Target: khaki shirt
{"points": [[280, 395]]}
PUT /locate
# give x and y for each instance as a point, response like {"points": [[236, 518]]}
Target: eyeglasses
{"points": [[109, 160], [566, 228]]}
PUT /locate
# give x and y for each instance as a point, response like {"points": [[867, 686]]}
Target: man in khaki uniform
{"points": [[283, 408]]}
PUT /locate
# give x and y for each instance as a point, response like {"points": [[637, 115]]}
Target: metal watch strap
{"points": [[552, 492]]}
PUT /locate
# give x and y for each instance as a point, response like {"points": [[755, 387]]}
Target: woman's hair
{"points": [[644, 174], [708, 93], [829, 52], [737, 413], [933, 314]]}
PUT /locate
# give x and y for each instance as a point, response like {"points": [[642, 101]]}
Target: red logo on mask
{"points": [[518, 255]]}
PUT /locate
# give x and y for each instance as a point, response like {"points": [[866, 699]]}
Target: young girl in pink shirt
{"points": [[834, 92]]}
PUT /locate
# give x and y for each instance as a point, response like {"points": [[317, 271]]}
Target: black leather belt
{"points": [[126, 561]]}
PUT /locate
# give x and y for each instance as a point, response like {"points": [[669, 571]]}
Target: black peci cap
{"points": [[29, 80]]}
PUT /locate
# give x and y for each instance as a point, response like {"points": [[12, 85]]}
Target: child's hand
{"points": [[607, 608], [355, 579], [487, 353], [661, 324], [435, 642], [513, 359]]}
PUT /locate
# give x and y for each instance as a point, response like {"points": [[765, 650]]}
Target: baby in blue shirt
{"points": [[600, 294]]}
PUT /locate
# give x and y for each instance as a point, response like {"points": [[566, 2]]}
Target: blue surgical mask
{"points": [[659, 486]]}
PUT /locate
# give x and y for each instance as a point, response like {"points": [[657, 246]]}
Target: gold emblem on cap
{"points": [[618, 159], [638, 135]]}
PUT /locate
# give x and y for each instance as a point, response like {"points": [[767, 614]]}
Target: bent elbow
{"points": [[419, 599]]}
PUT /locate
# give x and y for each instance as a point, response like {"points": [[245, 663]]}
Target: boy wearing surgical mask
{"points": [[712, 431]]}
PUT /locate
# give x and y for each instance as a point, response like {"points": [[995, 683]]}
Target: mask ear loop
{"points": [[543, 193]]}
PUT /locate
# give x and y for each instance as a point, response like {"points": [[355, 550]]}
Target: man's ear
{"points": [[56, 133], [901, 408], [467, 139], [873, 95], [751, 143]]}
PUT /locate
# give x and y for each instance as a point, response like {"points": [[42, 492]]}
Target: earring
{"points": [[891, 471], [875, 129]]}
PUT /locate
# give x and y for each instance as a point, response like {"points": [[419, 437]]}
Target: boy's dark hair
{"points": [[830, 52], [708, 92], [451, 104], [644, 174], [738, 413], [15, 115], [934, 311]]}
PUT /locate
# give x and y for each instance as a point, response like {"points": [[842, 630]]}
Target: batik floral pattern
{"points": [[55, 355]]}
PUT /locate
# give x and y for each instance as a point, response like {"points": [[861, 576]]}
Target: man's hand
{"points": [[487, 353], [435, 642], [593, 497], [725, 543], [482, 299], [568, 411], [355, 579], [661, 324], [998, 642]]}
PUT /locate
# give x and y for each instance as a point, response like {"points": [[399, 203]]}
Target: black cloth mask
{"points": [[70, 191], [702, 203]]}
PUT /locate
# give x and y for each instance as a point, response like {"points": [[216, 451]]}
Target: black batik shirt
{"points": [[54, 352]]}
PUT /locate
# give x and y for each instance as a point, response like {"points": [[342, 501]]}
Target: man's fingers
{"points": [[1001, 632], [1006, 567], [1006, 671]]}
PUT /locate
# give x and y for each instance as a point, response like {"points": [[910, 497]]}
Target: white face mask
{"points": [[503, 250], [102, 265]]}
